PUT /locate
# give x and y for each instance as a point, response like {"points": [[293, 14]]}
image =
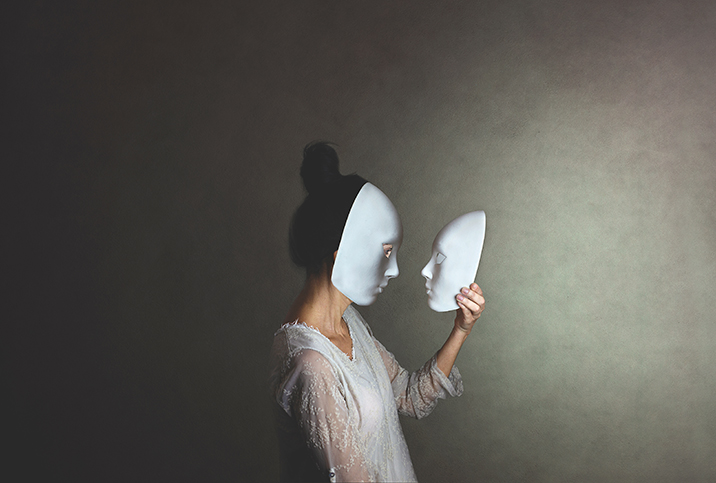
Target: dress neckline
{"points": [[299, 323]]}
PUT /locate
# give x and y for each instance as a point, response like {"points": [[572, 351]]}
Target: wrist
{"points": [[460, 332]]}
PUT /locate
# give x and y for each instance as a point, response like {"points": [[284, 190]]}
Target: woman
{"points": [[338, 390]]}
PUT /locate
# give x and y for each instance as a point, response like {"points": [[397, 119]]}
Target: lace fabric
{"points": [[337, 417]]}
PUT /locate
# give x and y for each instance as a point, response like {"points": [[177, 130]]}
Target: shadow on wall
{"points": [[154, 152]]}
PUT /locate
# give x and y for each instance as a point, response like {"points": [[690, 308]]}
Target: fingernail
{"points": [[460, 297], [465, 291]]}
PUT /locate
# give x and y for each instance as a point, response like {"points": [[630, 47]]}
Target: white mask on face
{"points": [[367, 253], [456, 254]]}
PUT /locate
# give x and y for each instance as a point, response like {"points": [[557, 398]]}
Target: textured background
{"points": [[151, 156]]}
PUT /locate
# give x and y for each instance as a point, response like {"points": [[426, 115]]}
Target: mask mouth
{"points": [[427, 289]]}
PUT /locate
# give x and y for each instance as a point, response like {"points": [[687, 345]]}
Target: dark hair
{"points": [[317, 225]]}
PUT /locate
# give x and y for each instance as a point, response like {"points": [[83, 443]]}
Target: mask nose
{"points": [[426, 273], [392, 271]]}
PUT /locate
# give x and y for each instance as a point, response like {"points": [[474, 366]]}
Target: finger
{"points": [[467, 314], [471, 305], [474, 296], [476, 288]]}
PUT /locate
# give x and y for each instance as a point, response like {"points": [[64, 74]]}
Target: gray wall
{"points": [[154, 149]]}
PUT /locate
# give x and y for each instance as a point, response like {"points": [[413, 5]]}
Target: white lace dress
{"points": [[337, 417]]}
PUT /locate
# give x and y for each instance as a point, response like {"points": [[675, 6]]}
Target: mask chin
{"points": [[364, 299], [433, 305], [442, 302]]}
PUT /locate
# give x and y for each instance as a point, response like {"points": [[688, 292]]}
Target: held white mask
{"points": [[364, 264], [456, 255]]}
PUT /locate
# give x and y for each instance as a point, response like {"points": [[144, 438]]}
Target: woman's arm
{"points": [[313, 395], [416, 394], [471, 303]]}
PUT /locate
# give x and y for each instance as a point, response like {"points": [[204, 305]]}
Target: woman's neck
{"points": [[320, 305]]}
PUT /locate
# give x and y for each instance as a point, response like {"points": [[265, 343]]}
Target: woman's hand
{"points": [[471, 303]]}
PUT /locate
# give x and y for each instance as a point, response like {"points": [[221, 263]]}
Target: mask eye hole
{"points": [[387, 249], [440, 258]]}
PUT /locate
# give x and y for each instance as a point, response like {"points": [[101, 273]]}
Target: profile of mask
{"points": [[456, 255], [368, 250]]}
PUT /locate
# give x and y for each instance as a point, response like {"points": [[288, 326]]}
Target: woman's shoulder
{"points": [[297, 340], [298, 353]]}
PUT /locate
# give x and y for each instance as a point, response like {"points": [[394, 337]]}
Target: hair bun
{"points": [[319, 169]]}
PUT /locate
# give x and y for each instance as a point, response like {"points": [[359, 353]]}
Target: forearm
{"points": [[447, 354]]}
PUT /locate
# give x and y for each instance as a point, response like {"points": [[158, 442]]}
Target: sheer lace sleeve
{"points": [[314, 396], [417, 394]]}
